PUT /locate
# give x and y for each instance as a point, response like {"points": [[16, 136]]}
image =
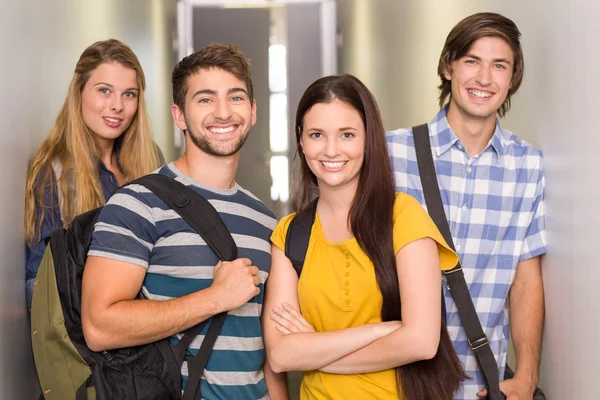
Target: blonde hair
{"points": [[72, 144]]}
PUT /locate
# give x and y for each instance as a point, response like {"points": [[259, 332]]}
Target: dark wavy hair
{"points": [[439, 377]]}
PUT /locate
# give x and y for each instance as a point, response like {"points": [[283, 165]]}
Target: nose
{"points": [[116, 104], [331, 147], [484, 75], [223, 110]]}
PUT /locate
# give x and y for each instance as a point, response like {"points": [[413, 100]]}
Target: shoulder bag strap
{"points": [[478, 341]]}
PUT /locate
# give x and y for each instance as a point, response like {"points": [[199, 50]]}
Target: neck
{"points": [[337, 201], [214, 171], [474, 133]]}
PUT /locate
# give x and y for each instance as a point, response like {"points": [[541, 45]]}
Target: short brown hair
{"points": [[468, 31], [216, 55]]}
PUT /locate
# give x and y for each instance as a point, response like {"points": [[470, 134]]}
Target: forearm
{"points": [[306, 351], [526, 304], [400, 347], [135, 322], [276, 383]]}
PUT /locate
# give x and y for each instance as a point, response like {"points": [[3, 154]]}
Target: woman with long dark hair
{"points": [[364, 319]]}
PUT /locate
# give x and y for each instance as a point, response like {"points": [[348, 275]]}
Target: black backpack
{"points": [[67, 368]]}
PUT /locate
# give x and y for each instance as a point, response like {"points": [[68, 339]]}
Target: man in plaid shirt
{"points": [[492, 187]]}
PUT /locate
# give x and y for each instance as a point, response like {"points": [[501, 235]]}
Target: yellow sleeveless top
{"points": [[337, 290]]}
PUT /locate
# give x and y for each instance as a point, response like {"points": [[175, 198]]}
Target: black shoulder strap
{"points": [[455, 277], [203, 217], [298, 236]]}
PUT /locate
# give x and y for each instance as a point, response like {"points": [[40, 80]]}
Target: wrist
{"points": [[215, 300], [528, 376]]}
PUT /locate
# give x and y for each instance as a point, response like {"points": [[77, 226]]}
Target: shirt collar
{"points": [[443, 138]]}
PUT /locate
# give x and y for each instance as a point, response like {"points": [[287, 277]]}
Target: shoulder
{"points": [[401, 135], [255, 203], [519, 149], [406, 204], [279, 233]]}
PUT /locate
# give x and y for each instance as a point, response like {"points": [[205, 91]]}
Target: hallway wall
{"points": [[41, 42], [394, 47]]}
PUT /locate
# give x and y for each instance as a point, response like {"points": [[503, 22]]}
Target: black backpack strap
{"points": [[455, 277], [298, 236], [205, 220]]}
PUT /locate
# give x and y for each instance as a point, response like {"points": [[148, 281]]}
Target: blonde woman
{"points": [[100, 140]]}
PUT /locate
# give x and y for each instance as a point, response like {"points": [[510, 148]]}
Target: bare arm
{"points": [[276, 383], [305, 351], [112, 317], [417, 339], [526, 306]]}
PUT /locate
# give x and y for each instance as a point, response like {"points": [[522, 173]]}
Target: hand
{"points": [[513, 389], [236, 281], [389, 327], [289, 320]]}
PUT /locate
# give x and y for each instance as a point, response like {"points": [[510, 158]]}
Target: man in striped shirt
{"points": [[139, 243], [492, 187]]}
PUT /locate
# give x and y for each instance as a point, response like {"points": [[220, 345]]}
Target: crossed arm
{"points": [[361, 349]]}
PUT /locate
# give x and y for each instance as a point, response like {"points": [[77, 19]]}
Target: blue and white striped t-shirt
{"points": [[137, 227], [494, 203]]}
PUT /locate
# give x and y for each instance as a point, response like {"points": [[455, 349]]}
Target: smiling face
{"points": [[333, 143], [481, 79], [218, 112], [109, 100]]}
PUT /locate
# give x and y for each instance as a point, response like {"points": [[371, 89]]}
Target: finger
{"points": [[257, 292], [297, 315], [482, 393], [254, 270], [282, 329], [245, 261], [256, 281], [284, 322], [219, 264], [293, 319]]}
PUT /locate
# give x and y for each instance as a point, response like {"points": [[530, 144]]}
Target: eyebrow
{"points": [[496, 60], [214, 92], [111, 86], [345, 128]]}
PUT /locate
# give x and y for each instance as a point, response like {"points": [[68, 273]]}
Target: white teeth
{"points": [[113, 120], [223, 130], [333, 165], [480, 94]]}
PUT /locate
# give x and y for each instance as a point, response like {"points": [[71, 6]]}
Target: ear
{"points": [[448, 73], [178, 117], [301, 142], [253, 112]]}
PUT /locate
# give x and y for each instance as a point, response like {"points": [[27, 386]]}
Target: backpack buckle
{"points": [[478, 343]]}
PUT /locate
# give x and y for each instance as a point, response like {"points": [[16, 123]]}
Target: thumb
{"points": [[482, 393]]}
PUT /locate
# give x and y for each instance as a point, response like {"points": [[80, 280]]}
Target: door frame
{"points": [[328, 22]]}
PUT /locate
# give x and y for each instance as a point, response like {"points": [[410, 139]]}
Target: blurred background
{"points": [[393, 46]]}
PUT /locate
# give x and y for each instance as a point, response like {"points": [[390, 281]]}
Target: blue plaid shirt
{"points": [[495, 208]]}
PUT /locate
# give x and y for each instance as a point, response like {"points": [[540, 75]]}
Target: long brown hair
{"points": [[468, 31], [439, 377], [71, 143]]}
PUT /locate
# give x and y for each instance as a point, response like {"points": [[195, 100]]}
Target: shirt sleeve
{"points": [[411, 223], [278, 235], [534, 243], [126, 228], [51, 221]]}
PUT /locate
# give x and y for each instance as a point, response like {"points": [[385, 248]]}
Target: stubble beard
{"points": [[202, 143]]}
